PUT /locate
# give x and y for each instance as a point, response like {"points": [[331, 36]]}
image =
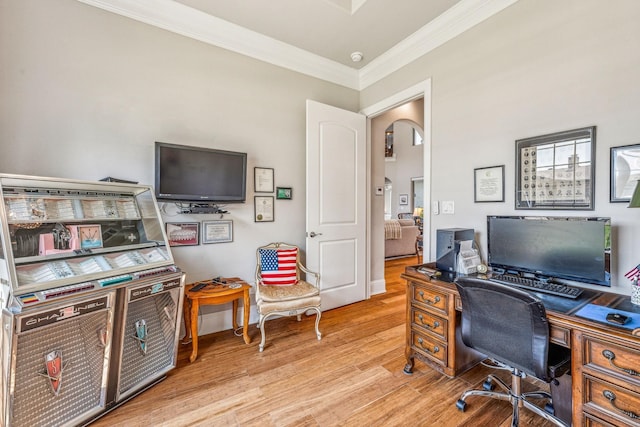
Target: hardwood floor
{"points": [[352, 377]]}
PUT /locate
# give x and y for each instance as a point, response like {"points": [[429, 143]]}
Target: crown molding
{"points": [[181, 19], [189, 22], [460, 18]]}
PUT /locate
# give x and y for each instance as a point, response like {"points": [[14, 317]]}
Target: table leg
{"points": [[246, 310], [194, 330], [186, 315]]}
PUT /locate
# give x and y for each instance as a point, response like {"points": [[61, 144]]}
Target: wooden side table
{"points": [[214, 294]]}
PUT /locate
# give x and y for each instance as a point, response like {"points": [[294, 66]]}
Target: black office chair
{"points": [[510, 327]]}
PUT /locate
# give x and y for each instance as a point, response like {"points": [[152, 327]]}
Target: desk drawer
{"points": [[429, 322], [431, 298], [611, 402], [429, 347], [613, 359]]}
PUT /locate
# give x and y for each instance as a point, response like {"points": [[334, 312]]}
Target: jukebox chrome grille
{"points": [[159, 315], [80, 344]]}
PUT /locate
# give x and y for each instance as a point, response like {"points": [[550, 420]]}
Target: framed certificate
{"points": [[263, 180], [263, 208], [217, 231], [489, 184]]}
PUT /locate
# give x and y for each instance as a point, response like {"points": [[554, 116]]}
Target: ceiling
{"points": [[317, 37]]}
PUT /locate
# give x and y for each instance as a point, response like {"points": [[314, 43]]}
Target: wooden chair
{"points": [[280, 288]]}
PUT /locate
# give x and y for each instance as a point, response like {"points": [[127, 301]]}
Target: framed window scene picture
{"points": [[263, 180], [218, 231], [556, 171], [403, 199], [488, 184], [183, 233], [625, 172]]}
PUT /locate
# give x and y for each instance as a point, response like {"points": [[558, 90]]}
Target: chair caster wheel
{"points": [[549, 408], [461, 405], [488, 385]]}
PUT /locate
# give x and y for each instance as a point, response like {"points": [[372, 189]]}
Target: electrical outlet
{"points": [[448, 207]]}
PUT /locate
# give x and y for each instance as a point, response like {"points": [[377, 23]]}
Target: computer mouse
{"points": [[617, 318]]}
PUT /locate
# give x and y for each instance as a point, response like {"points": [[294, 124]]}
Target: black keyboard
{"points": [[537, 285]]}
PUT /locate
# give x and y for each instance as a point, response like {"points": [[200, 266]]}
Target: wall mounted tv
{"points": [[199, 175], [570, 248]]}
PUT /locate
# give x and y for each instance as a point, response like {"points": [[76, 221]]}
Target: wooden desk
{"points": [[604, 359], [214, 294]]}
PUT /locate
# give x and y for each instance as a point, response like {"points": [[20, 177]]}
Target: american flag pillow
{"points": [[278, 266]]}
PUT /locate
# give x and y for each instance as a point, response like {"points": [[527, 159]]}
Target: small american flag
{"points": [[278, 266], [635, 271]]}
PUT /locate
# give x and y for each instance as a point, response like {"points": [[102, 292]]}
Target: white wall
{"points": [[538, 67], [84, 94]]}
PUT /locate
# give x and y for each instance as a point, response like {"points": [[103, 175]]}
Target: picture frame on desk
{"points": [[183, 233], [625, 171], [217, 231], [488, 184]]}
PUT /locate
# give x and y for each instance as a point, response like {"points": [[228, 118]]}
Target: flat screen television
{"points": [[570, 248], [199, 175]]}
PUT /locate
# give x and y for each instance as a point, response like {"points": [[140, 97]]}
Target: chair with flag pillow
{"points": [[280, 289]]}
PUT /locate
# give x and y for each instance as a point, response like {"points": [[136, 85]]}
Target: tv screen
{"points": [[571, 248], [194, 174]]}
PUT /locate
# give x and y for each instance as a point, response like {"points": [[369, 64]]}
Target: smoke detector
{"points": [[356, 56]]}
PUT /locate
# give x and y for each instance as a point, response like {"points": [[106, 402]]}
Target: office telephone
{"points": [[468, 258]]}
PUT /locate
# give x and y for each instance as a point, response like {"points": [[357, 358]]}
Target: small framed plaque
{"points": [[263, 209], [263, 180], [220, 231], [488, 184], [284, 193]]}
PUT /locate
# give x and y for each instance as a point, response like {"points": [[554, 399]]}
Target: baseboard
{"points": [[378, 287]]}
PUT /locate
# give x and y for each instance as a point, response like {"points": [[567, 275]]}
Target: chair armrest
{"points": [[316, 275]]}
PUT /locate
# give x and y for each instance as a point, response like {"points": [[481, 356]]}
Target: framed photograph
{"points": [[625, 172], [284, 193], [404, 199], [219, 231], [183, 233], [263, 208], [556, 171], [263, 178], [488, 184]]}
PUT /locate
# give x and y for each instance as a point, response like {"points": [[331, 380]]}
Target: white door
{"points": [[336, 202]]}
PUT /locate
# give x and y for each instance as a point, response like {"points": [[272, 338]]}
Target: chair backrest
{"points": [[277, 264], [505, 324], [406, 215]]}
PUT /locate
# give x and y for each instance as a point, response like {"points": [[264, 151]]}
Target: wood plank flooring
{"points": [[352, 377]]}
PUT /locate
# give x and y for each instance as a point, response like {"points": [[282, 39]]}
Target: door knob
{"points": [[314, 234]]}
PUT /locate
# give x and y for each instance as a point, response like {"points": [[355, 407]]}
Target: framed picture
{"points": [[404, 199], [219, 231], [625, 172], [183, 233], [284, 193], [556, 171], [263, 180], [488, 184], [263, 208]]}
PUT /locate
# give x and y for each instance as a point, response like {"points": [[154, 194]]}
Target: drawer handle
{"points": [[609, 395], [611, 355], [435, 324], [435, 350], [428, 301]]}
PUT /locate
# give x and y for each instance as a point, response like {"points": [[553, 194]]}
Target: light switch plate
{"points": [[448, 207], [435, 207]]}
